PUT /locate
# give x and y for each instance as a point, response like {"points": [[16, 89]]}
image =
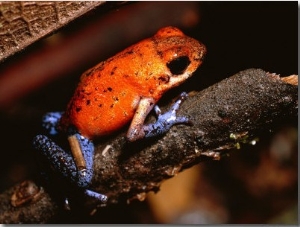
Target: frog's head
{"points": [[181, 55]]}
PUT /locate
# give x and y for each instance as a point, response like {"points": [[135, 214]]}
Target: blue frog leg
{"points": [[63, 161], [166, 120], [163, 123]]}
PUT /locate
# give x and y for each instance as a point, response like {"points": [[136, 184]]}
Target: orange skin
{"points": [[125, 87]]}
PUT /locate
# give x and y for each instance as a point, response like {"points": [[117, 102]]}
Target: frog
{"points": [[120, 91]]}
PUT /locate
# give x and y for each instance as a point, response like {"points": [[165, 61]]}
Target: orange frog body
{"points": [[108, 94], [124, 89]]}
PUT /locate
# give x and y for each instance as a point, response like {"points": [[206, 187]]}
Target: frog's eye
{"points": [[178, 65]]}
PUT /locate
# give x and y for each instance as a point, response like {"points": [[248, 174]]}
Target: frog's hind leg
{"points": [[64, 162]]}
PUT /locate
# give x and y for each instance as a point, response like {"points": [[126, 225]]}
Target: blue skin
{"points": [[63, 161]]}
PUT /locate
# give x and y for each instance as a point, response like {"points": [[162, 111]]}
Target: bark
{"points": [[23, 23], [225, 116]]}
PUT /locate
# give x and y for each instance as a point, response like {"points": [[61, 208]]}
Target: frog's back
{"points": [[109, 93], [101, 104]]}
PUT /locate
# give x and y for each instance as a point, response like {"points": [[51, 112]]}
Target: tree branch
{"points": [[23, 23], [225, 115]]}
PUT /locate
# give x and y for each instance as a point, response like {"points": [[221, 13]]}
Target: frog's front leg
{"points": [[138, 130], [63, 161]]}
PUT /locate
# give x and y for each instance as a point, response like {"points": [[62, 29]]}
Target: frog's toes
{"points": [[96, 195], [183, 96], [166, 120]]}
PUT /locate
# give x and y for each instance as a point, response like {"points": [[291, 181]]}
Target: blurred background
{"points": [[256, 184]]}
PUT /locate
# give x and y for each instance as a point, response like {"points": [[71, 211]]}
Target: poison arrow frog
{"points": [[121, 89]]}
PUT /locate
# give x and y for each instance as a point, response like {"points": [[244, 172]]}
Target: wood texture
{"points": [[22, 23]]}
